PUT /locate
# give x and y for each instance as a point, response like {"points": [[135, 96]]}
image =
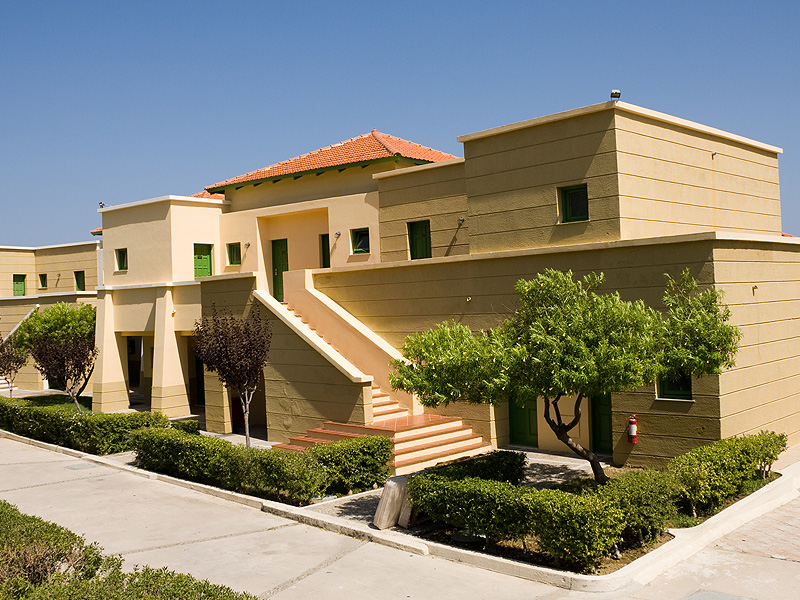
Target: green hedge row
{"points": [[41, 560], [708, 475], [96, 433], [577, 529], [498, 465], [293, 477]]}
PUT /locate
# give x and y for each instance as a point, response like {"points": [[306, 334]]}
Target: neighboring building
{"points": [[374, 238], [38, 277]]}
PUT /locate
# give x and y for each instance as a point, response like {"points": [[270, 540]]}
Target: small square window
{"points": [[235, 254], [122, 259], [42, 281], [574, 204], [80, 281], [360, 239], [675, 388]]}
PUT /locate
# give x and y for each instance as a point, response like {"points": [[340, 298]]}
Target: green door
{"points": [[522, 422], [419, 239], [602, 439], [202, 260], [280, 264], [19, 285]]}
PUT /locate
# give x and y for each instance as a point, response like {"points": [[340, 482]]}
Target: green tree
{"points": [[236, 350], [567, 342], [12, 359], [61, 342]]}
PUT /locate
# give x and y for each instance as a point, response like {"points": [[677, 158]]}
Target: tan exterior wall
{"points": [[17, 261], [513, 178], [436, 193], [60, 263], [673, 180], [398, 300]]}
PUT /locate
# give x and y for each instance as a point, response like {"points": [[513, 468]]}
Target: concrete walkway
{"points": [[153, 522]]}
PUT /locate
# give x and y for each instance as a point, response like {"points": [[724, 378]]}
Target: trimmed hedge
{"points": [[497, 465], [708, 475], [96, 433], [293, 477], [41, 560], [187, 426]]}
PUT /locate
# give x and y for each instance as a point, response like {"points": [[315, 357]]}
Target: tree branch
{"points": [[577, 413]]}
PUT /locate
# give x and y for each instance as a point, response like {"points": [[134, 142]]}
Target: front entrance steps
{"points": [[418, 441]]}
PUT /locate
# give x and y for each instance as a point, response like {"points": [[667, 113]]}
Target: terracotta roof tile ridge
{"points": [[381, 139]]}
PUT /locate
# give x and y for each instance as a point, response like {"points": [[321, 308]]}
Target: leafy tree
{"points": [[61, 342], [236, 350], [12, 359], [565, 341]]}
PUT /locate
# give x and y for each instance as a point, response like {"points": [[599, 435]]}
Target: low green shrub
{"points": [[574, 529], [646, 499], [356, 464], [34, 552], [709, 475], [187, 426], [284, 475], [96, 433], [498, 465]]}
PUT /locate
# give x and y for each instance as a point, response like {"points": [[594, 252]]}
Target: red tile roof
{"points": [[205, 194], [367, 147], [98, 231]]}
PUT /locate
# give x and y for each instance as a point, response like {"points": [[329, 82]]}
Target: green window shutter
{"points": [[235, 254], [19, 285], [419, 239], [80, 281], [325, 250], [202, 260]]}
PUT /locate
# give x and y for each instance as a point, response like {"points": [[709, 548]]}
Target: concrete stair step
{"points": [[405, 467], [387, 415], [434, 437], [427, 448], [384, 401], [306, 441], [331, 435]]}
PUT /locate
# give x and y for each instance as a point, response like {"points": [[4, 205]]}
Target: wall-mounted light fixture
{"points": [[247, 244], [615, 94], [461, 220], [337, 234]]}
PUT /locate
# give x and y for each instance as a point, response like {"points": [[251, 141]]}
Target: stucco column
{"points": [[170, 362], [110, 388], [218, 404]]}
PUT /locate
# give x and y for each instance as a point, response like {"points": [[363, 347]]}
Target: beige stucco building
{"points": [[32, 277], [351, 248]]}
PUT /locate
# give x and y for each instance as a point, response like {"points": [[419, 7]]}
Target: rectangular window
{"points": [[122, 259], [419, 239], [325, 250], [235, 253], [360, 239], [574, 203], [675, 388], [202, 260], [42, 281], [19, 285], [80, 281]]}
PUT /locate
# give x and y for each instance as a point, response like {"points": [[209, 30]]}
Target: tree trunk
{"points": [[245, 398]]}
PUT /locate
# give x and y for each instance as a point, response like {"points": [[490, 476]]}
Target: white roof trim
{"points": [[168, 198], [51, 247], [624, 106], [89, 294]]}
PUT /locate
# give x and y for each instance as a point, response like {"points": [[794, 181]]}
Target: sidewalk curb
{"points": [[686, 542]]}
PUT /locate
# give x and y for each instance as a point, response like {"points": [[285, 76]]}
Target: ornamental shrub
{"points": [[96, 433], [356, 464], [187, 426], [646, 499], [498, 465], [574, 530], [283, 475]]}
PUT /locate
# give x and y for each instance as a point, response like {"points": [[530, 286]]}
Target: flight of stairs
{"points": [[418, 441]]}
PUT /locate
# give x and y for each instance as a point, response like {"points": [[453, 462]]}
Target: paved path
{"points": [[155, 523]]}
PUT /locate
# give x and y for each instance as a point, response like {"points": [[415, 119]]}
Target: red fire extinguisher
{"points": [[633, 437]]}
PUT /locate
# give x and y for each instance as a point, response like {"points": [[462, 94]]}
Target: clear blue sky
{"points": [[121, 101]]}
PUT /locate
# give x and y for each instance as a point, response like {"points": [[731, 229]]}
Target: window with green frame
{"points": [[419, 239], [675, 388], [42, 281], [122, 259], [360, 238], [80, 281], [235, 254], [19, 285], [574, 203]]}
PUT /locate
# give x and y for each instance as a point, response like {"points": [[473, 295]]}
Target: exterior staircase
{"points": [[418, 441]]}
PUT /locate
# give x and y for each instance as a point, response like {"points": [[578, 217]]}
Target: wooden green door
{"points": [[419, 239], [280, 264], [19, 285], [522, 420], [602, 438], [202, 260]]}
